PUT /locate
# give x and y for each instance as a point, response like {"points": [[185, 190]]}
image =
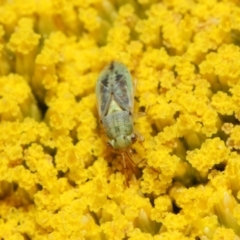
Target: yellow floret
{"points": [[24, 177], [153, 182], [58, 178], [24, 40], [43, 218], [137, 210], [236, 100], [148, 35], [227, 128], [223, 103], [17, 100], [189, 127], [51, 52], [225, 234], [232, 173], [127, 16], [118, 228], [206, 226], [234, 141], [108, 213], [163, 205], [206, 157], [89, 229], [161, 112], [167, 79], [236, 213], [45, 200], [16, 222], [224, 207], [181, 6], [136, 234], [90, 18], [28, 8], [193, 202], [182, 27], [173, 222], [211, 122], [118, 35], [8, 16], [45, 170], [63, 119], [174, 235], [227, 56]]}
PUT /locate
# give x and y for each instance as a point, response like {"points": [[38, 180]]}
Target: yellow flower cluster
{"points": [[58, 178]]}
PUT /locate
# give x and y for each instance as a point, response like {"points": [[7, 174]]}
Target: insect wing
{"points": [[103, 94], [114, 83], [123, 93]]}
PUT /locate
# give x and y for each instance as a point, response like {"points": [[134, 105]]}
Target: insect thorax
{"points": [[119, 129]]}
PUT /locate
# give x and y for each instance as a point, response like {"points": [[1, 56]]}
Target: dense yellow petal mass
{"points": [[59, 179]]}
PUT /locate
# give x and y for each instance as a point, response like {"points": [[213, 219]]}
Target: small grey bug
{"points": [[115, 98]]}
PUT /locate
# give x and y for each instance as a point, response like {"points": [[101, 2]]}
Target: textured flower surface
{"points": [[58, 178]]}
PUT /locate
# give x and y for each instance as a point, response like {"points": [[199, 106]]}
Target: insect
{"points": [[115, 98]]}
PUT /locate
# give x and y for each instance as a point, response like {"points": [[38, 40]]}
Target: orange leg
{"points": [[125, 169], [129, 154]]}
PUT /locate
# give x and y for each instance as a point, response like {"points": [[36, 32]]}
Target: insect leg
{"points": [[140, 137], [125, 169], [129, 154]]}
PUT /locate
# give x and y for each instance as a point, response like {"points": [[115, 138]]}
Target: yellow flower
{"points": [[17, 101], [58, 177], [223, 103], [24, 39], [212, 151], [225, 233]]}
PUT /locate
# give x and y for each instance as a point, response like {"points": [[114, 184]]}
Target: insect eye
{"points": [[134, 138]]}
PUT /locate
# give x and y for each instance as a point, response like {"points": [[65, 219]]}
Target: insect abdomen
{"points": [[118, 123]]}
